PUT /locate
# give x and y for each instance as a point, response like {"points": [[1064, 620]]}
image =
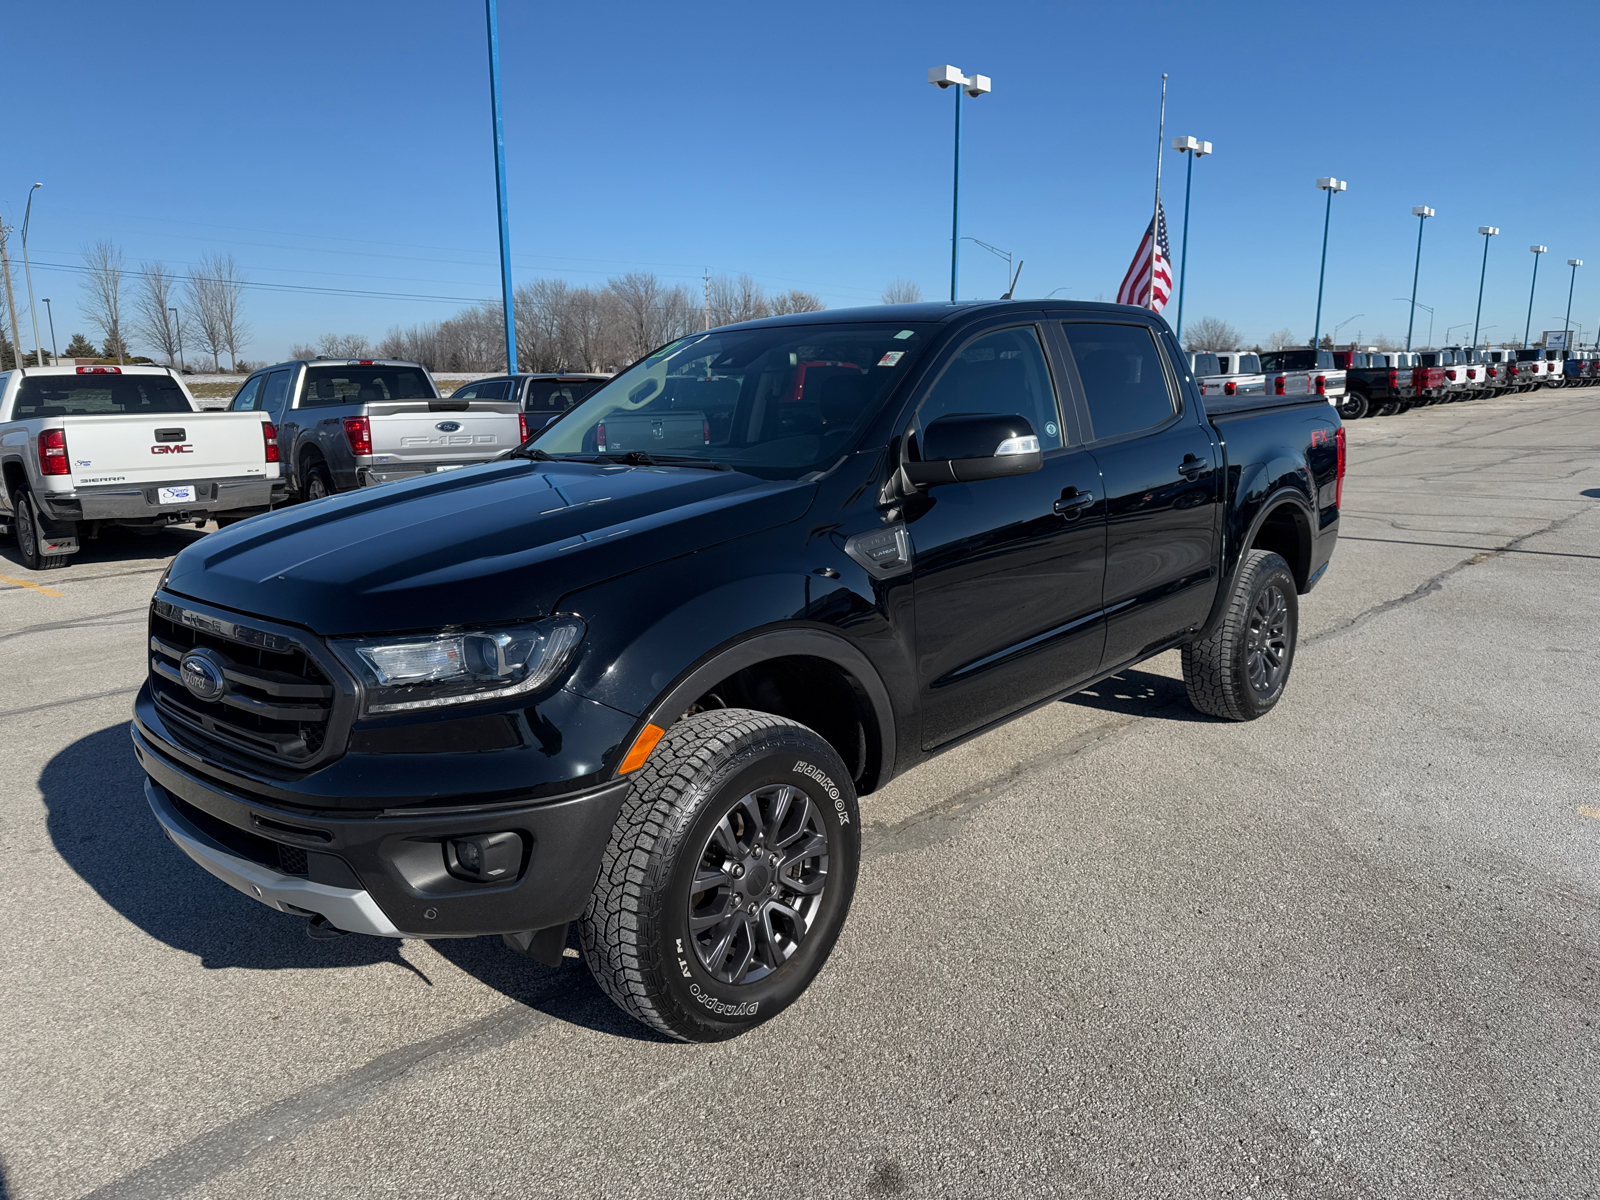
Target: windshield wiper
{"points": [[532, 452]]}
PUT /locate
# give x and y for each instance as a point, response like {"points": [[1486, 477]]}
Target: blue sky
{"points": [[345, 145]]}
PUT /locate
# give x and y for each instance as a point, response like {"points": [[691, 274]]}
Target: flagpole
{"points": [[1155, 217]]}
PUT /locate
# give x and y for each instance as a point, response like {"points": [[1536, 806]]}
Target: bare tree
{"points": [[795, 301], [1212, 333], [1279, 338], [902, 291], [733, 300], [206, 317], [227, 291], [103, 294], [152, 304]]}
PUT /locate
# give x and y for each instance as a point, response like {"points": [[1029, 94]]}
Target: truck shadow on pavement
{"points": [[103, 829], [111, 547], [1136, 693]]}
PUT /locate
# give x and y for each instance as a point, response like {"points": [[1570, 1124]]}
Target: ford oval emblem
{"points": [[201, 672], [448, 426]]}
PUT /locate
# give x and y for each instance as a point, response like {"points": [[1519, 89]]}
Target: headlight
{"points": [[403, 673]]}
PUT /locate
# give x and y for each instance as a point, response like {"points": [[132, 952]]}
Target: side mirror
{"points": [[965, 447]]}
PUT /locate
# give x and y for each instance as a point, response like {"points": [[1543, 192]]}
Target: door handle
{"points": [[1192, 466], [1070, 506]]}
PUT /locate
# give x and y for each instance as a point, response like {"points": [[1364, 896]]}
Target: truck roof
{"points": [[102, 369], [932, 311]]}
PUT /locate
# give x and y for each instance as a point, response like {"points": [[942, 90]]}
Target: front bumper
{"points": [[386, 872], [143, 502]]}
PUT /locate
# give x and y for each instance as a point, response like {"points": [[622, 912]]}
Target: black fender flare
{"points": [[749, 650], [1285, 496]]}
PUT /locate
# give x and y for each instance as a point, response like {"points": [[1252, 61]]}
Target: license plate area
{"points": [[175, 495]]}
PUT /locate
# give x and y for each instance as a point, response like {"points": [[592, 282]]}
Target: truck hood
{"points": [[499, 542]]}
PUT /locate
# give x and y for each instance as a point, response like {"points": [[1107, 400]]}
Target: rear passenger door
{"points": [[1160, 471], [1006, 572]]}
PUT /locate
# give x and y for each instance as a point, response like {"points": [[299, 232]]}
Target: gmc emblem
{"points": [[184, 449]]}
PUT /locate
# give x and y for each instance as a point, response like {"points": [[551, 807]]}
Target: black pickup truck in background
{"points": [[1372, 386], [642, 690]]}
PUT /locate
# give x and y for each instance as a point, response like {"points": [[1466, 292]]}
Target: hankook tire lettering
{"points": [[805, 768]]}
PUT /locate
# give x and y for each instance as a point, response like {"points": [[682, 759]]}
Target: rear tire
{"points": [[318, 484], [28, 538], [1239, 673], [1353, 406], [729, 875]]}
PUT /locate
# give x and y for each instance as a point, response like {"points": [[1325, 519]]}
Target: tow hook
{"points": [[320, 929]]}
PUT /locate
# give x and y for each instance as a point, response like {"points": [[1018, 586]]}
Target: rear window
{"points": [[87, 395], [326, 386], [1288, 360], [557, 395]]}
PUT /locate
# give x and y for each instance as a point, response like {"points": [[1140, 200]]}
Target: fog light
{"points": [[484, 857]]}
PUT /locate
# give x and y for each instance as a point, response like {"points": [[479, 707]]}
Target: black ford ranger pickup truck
{"points": [[635, 674]]}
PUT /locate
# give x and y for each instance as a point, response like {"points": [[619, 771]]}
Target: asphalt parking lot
{"points": [[1114, 949]]}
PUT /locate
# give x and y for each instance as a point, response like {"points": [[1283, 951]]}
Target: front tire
{"points": [[729, 875], [1240, 671]]}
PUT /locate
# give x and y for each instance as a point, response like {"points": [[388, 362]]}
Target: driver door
{"points": [[1007, 573]]}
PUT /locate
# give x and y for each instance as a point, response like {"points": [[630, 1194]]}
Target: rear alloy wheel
{"points": [[318, 484], [28, 538], [1353, 406], [1240, 671], [729, 875]]}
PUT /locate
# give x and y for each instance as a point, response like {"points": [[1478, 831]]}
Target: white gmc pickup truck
{"points": [[84, 447]]}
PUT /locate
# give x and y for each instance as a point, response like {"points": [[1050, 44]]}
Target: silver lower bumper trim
{"points": [[346, 908]]}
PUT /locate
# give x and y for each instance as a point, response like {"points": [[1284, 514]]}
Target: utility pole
{"points": [[11, 300], [708, 297], [508, 297], [177, 327]]}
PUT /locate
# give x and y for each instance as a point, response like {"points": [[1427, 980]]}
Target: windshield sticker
{"points": [[891, 358], [905, 333]]}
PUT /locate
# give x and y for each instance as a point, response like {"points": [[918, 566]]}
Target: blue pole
{"points": [[1567, 337], [500, 188], [1482, 274], [1528, 329], [955, 205], [1415, 271], [1183, 257], [1316, 334]]}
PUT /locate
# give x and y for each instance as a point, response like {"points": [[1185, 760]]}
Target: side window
{"points": [[275, 395], [248, 395], [469, 392], [1003, 373], [1123, 382]]}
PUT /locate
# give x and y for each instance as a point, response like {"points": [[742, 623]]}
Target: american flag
{"points": [[1135, 287]]}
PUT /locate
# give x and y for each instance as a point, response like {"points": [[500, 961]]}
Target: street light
{"points": [[978, 85], [1574, 263], [1422, 212], [1457, 325], [1425, 309], [1537, 250], [1488, 232], [1194, 148], [1341, 325], [507, 298], [49, 316], [177, 325], [27, 274], [1329, 185], [1011, 281]]}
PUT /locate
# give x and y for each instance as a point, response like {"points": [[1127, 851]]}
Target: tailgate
{"points": [[120, 448], [412, 432]]}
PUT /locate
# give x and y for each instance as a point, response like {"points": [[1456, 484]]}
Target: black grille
{"points": [[277, 703], [292, 859]]}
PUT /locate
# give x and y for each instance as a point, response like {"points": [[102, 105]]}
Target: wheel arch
{"points": [[1289, 523], [808, 672]]}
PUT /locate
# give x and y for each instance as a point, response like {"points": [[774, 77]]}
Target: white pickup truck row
{"points": [[1294, 372]]}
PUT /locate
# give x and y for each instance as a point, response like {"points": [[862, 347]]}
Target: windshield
{"points": [[778, 402], [358, 385], [556, 395], [85, 395]]}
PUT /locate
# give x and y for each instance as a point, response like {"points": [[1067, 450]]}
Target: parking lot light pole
{"points": [[978, 85], [27, 275], [49, 316], [1574, 263], [1329, 185], [1422, 212], [1528, 329], [1194, 148], [1488, 232], [500, 187], [177, 327]]}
